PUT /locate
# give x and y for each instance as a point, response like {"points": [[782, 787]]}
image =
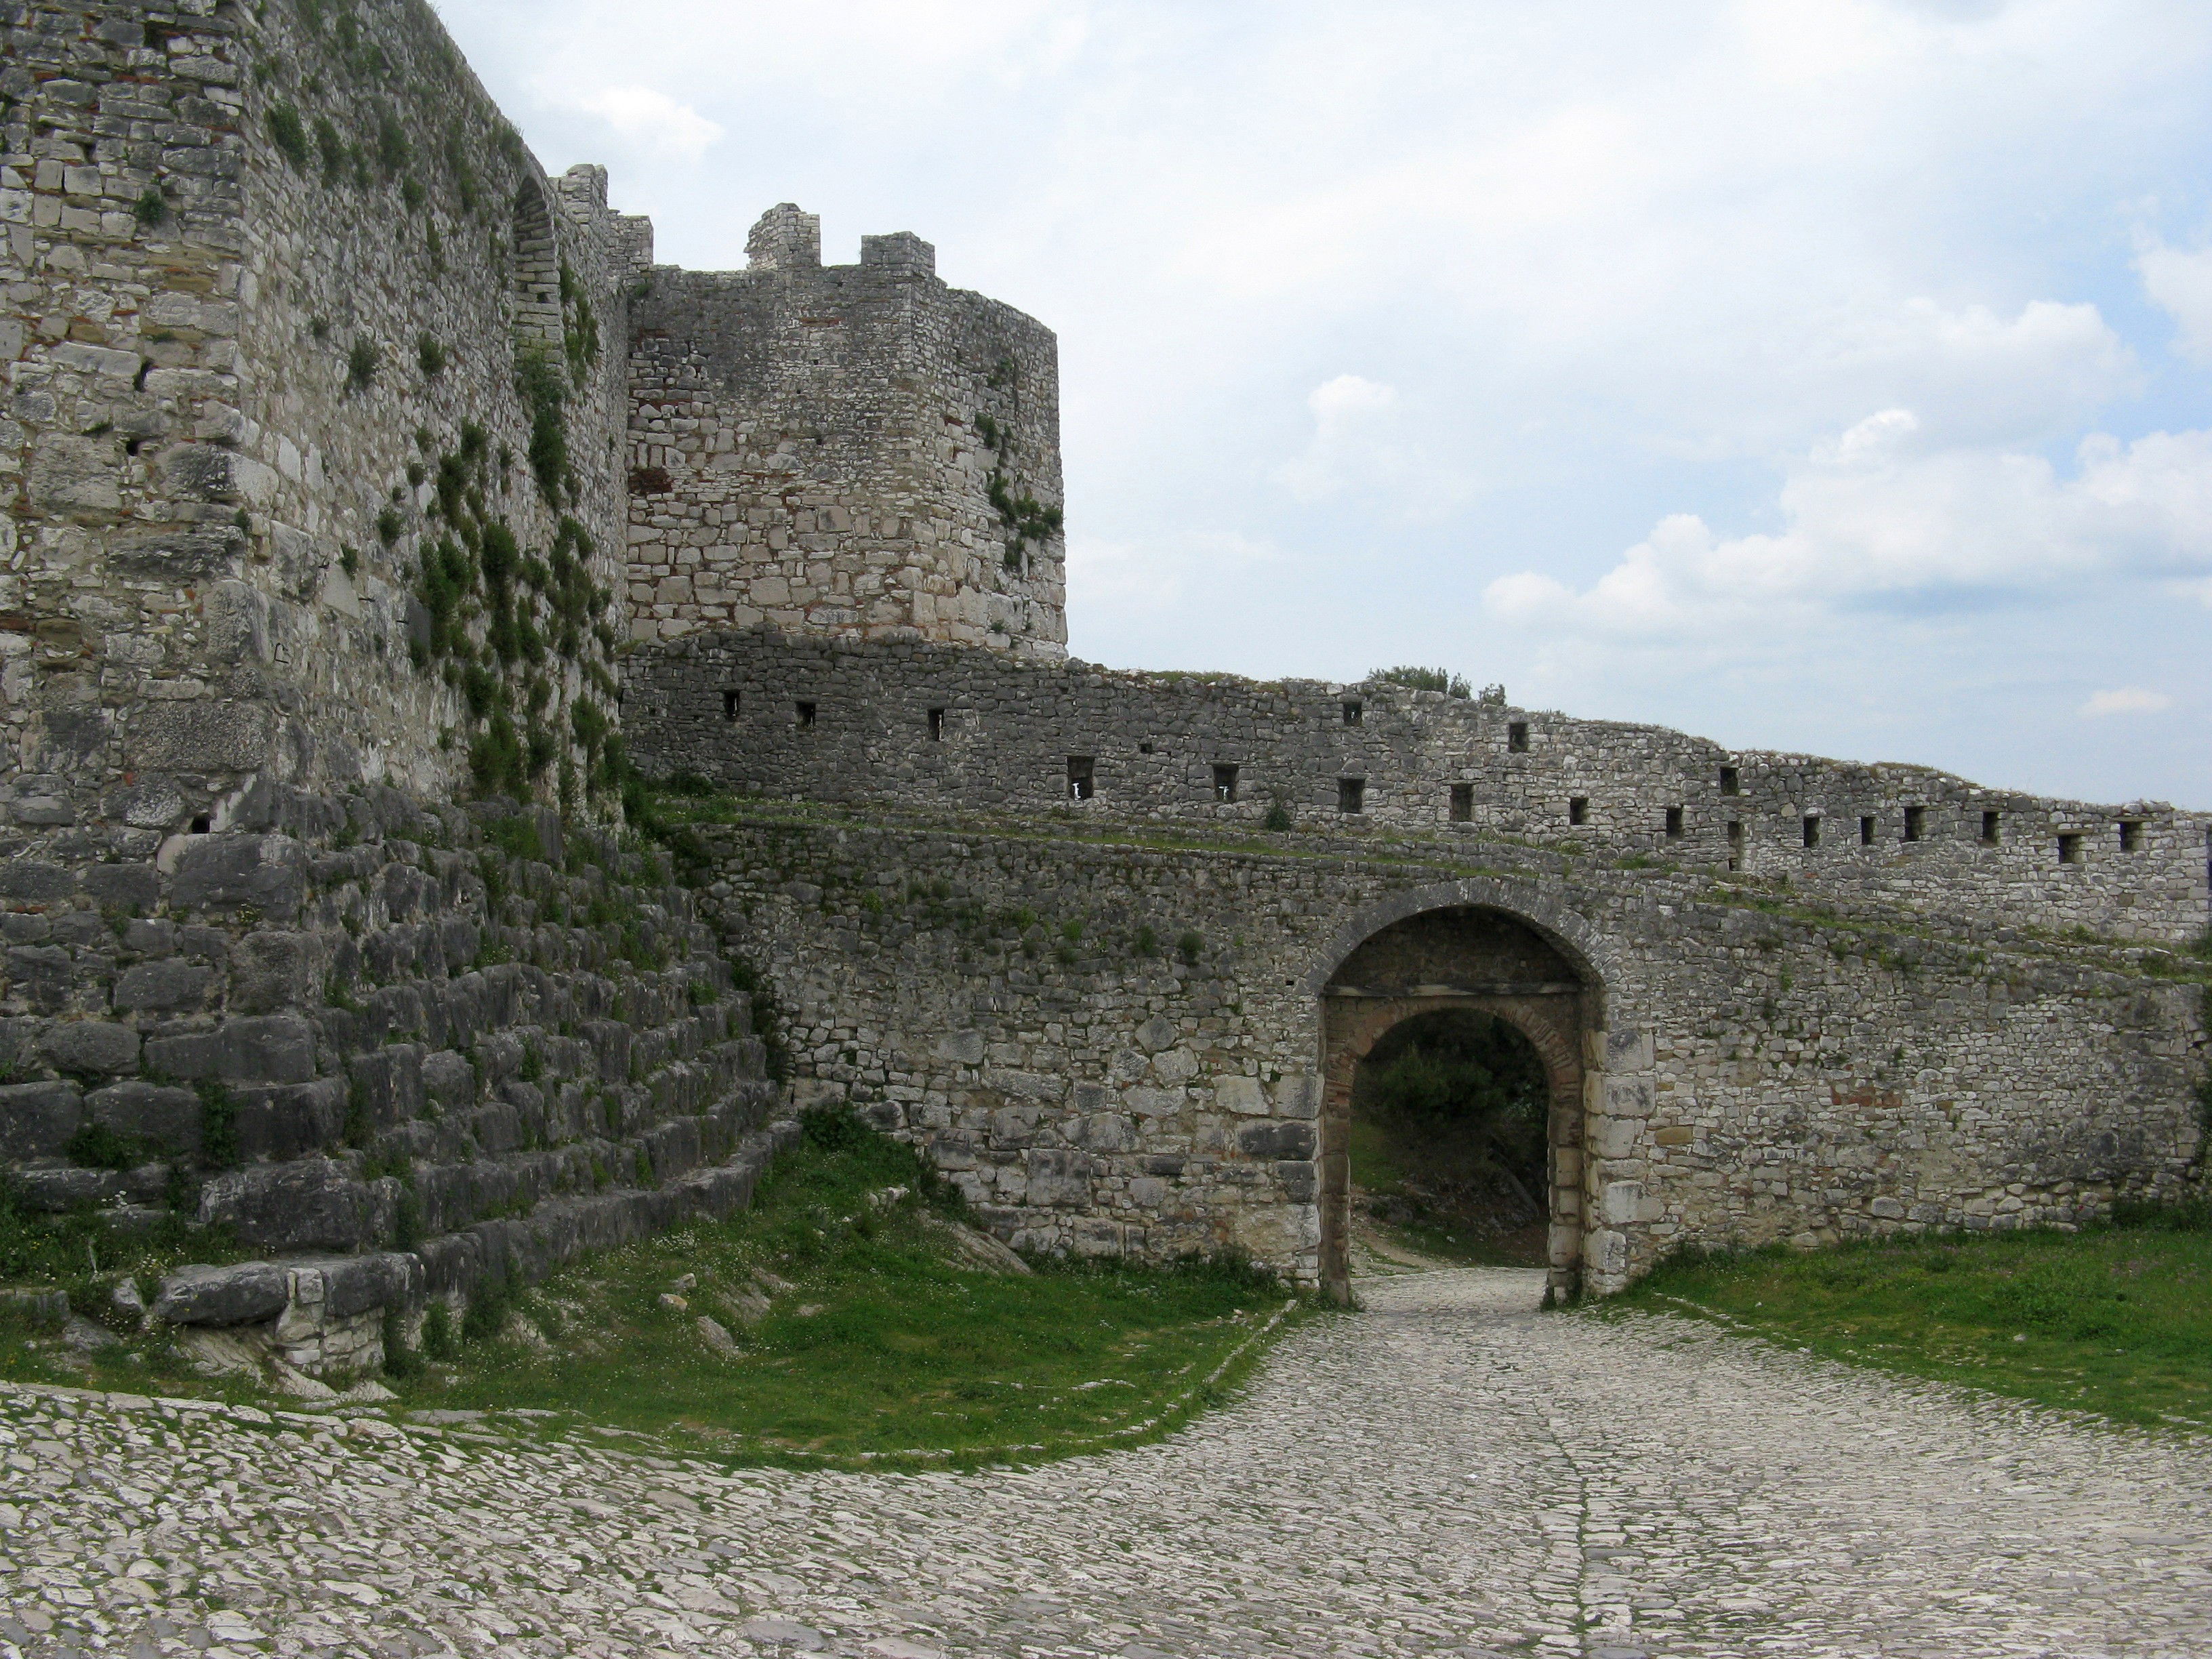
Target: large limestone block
{"points": [[38, 1119], [242, 1293], [311, 1204], [201, 736]]}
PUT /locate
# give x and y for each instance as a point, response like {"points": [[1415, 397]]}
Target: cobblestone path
{"points": [[1445, 1473]]}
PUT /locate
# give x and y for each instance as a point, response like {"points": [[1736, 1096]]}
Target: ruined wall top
{"points": [[856, 452]]}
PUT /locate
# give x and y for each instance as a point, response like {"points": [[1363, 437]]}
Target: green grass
{"points": [[885, 1346], [2112, 1320], [909, 1351]]}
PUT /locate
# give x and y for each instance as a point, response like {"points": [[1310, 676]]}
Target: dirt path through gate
{"points": [[1447, 1473]]}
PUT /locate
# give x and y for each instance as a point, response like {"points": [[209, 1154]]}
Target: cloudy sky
{"points": [[1832, 375]]}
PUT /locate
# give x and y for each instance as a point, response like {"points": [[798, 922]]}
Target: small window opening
{"points": [[1674, 823], [1145, 748], [937, 726], [1082, 777], [1992, 824], [201, 825], [1352, 794], [1866, 832], [1735, 844], [806, 714], [1225, 783], [1578, 810], [1916, 822], [1516, 738], [1812, 829], [1354, 713], [1462, 803], [1731, 781], [729, 705], [2130, 836], [2069, 849]]}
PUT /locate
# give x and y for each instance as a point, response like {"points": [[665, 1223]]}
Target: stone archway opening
{"points": [[1459, 966], [1448, 1138]]}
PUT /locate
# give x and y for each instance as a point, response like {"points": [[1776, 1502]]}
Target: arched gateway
{"points": [[1469, 947]]}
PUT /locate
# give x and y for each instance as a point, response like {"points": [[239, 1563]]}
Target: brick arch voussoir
{"points": [[1553, 1043], [1592, 955]]}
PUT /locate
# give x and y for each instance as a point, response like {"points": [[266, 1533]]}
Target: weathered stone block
{"points": [[389, 1083], [164, 1117], [38, 1119], [1277, 1140], [93, 1045], [201, 736], [449, 1080], [162, 986], [310, 1204], [130, 887], [229, 870], [269, 1048], [1242, 1095], [271, 969], [183, 552], [242, 1293], [290, 1120]]}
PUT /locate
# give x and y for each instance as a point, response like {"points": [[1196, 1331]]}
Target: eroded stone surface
{"points": [[1447, 1473]]}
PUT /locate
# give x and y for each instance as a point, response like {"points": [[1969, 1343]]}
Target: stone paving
{"points": [[1446, 1473]]}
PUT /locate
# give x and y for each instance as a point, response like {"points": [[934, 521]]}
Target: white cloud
{"points": [[1880, 519], [1361, 444], [1974, 374], [2127, 700], [2180, 284], [653, 121]]}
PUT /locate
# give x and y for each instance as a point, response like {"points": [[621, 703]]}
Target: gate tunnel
{"points": [[1470, 959]]}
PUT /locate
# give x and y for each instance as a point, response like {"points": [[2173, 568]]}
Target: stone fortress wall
{"points": [[335, 432], [776, 715], [449, 1047], [314, 448], [851, 451], [1123, 1042], [271, 282]]}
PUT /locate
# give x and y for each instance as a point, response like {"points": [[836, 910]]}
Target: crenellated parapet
{"points": [[851, 452]]}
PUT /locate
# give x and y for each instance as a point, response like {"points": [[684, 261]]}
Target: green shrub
{"points": [[1425, 679], [96, 1146], [363, 358], [152, 207], [288, 133], [431, 355], [834, 1128], [488, 1312], [438, 1332], [218, 1126], [400, 1361], [539, 383]]}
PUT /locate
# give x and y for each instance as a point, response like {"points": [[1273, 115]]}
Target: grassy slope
{"points": [[908, 1350], [2115, 1320]]}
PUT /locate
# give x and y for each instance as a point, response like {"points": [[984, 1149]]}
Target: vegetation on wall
{"points": [[506, 614], [1025, 518], [507, 627], [1438, 679]]}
